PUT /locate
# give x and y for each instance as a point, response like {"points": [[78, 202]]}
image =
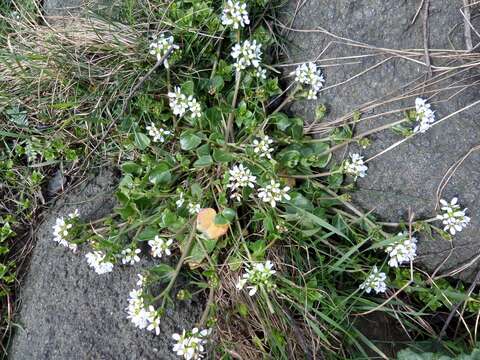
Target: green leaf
{"points": [[163, 272], [222, 156], [189, 141], [141, 141], [203, 161], [131, 167], [160, 175]]}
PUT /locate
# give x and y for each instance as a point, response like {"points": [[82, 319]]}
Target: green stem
{"points": [[229, 134], [185, 253]]}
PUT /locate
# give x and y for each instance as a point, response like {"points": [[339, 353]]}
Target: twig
{"points": [[467, 26], [145, 77], [425, 37], [457, 305]]}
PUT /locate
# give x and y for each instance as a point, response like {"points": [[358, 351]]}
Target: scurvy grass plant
{"points": [[220, 182]]}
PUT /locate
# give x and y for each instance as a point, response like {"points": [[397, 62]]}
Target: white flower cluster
{"points": [[97, 261], [247, 54], [375, 281], [191, 345], [425, 115], [158, 134], [160, 45], [181, 200], [141, 316], [61, 228], [355, 166], [180, 104], [159, 246], [194, 208], [130, 256], [309, 74], [240, 177], [272, 193], [262, 147], [453, 219], [235, 14], [260, 275], [402, 251]]}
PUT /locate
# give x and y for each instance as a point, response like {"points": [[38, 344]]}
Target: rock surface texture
{"points": [[68, 311], [407, 177]]}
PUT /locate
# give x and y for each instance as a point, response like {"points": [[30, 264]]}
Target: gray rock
{"points": [[68, 311], [408, 176]]}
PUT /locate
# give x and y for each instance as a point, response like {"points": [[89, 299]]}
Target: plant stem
{"points": [[289, 98], [229, 134], [204, 317], [185, 252]]}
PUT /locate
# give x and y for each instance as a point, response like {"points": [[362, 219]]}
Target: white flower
{"points": [[61, 231], [257, 276], [375, 281], [191, 345], [235, 14], [309, 74], [136, 309], [453, 218], [261, 73], [160, 46], [425, 116], [194, 107], [402, 251], [272, 193], [262, 147], [355, 166], [241, 177], [180, 200], [153, 320], [141, 280], [247, 54], [178, 102], [160, 246], [158, 135], [194, 209], [96, 260], [74, 215], [130, 256]]}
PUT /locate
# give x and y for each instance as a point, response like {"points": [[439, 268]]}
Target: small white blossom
{"points": [[355, 166], [272, 193], [375, 281], [191, 345], [257, 276], [180, 200], [160, 46], [261, 73], [141, 280], [61, 230], [160, 246], [194, 209], [130, 256], [402, 251], [240, 177], [247, 54], [262, 147], [425, 115], [453, 219], [194, 107], [137, 313], [309, 74], [178, 101], [153, 320], [158, 134], [235, 14], [97, 261]]}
